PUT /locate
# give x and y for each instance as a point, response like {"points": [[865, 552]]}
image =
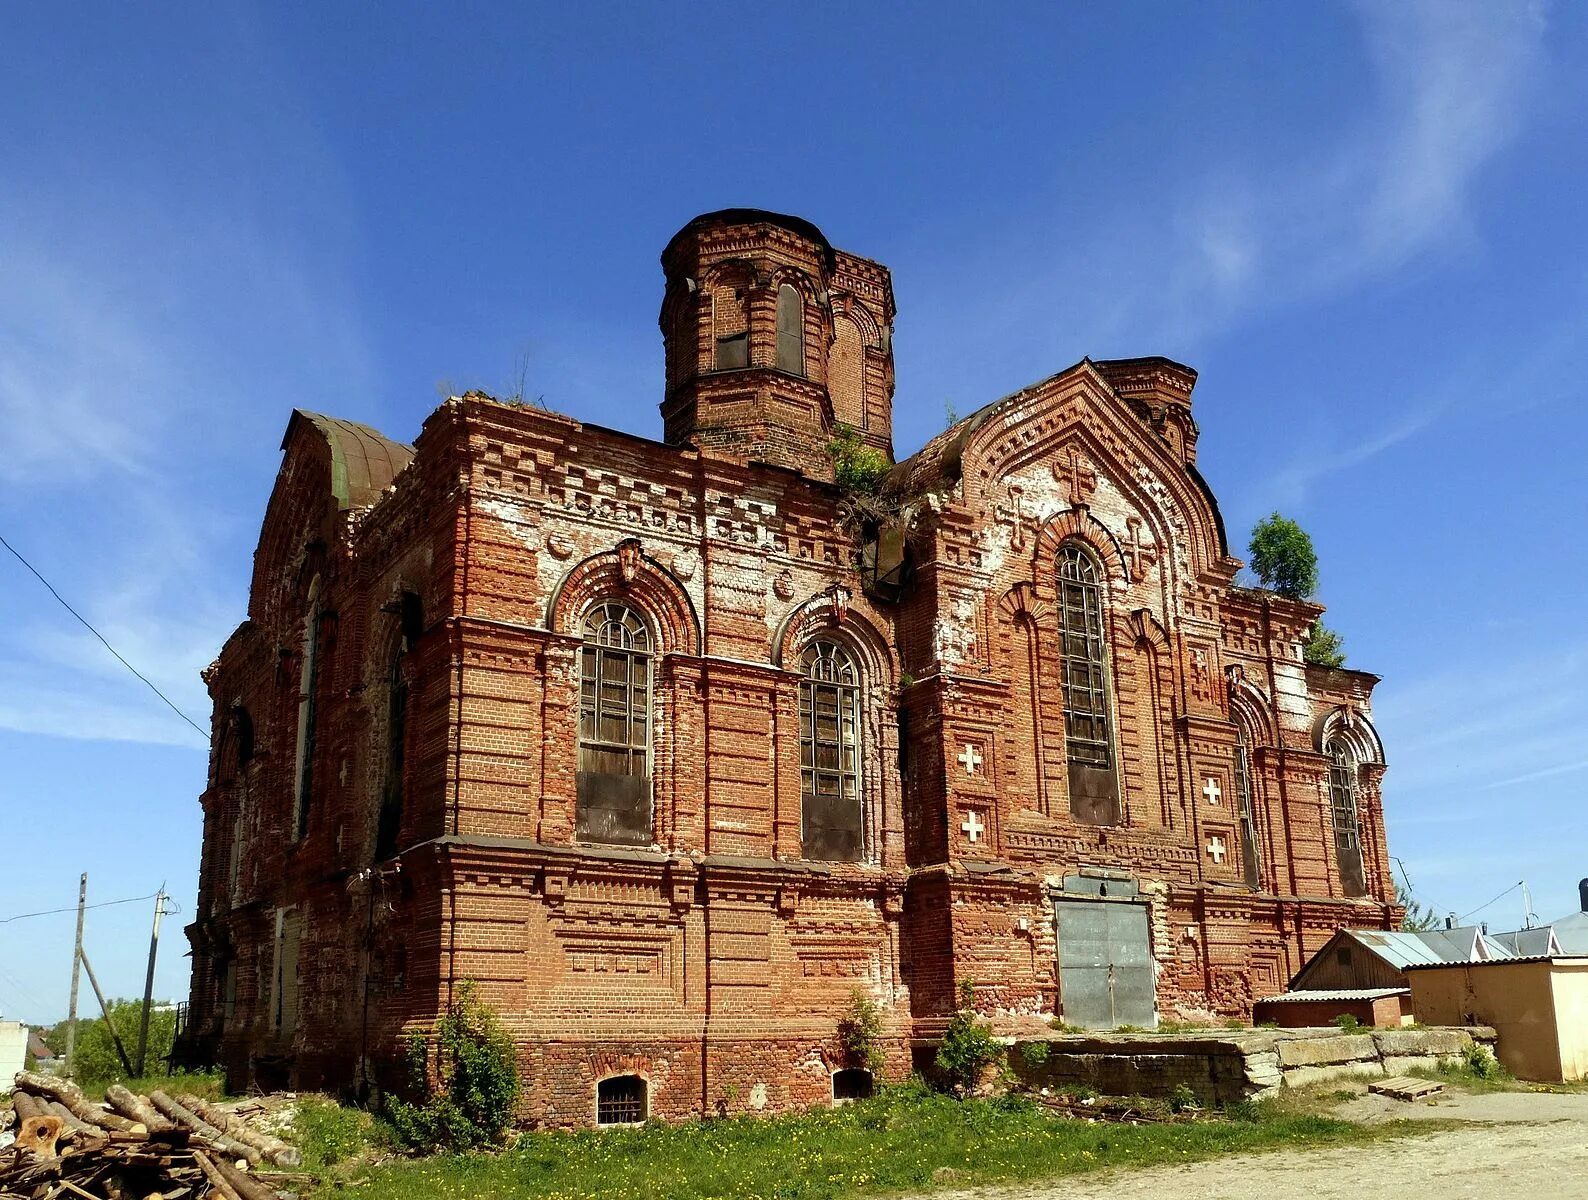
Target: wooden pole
{"points": [[77, 954], [115, 1036], [148, 979]]}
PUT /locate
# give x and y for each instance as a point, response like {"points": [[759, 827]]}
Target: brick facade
{"points": [[395, 794]]}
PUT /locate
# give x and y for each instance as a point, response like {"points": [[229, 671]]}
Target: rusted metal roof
{"points": [[363, 460]]}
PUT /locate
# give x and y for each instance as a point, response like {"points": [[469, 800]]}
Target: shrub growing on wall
{"points": [[968, 1048], [464, 1079]]}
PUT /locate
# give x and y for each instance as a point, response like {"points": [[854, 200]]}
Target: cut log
{"points": [[135, 1108], [70, 1120], [39, 1135], [225, 1143], [26, 1105], [246, 1186], [274, 1149], [212, 1173], [68, 1094]]}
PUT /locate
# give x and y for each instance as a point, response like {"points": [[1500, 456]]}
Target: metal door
{"points": [[1105, 965]]}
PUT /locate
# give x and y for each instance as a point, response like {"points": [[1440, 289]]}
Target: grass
{"points": [[903, 1139], [204, 1086]]}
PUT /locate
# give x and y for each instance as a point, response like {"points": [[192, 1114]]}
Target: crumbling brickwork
{"points": [[672, 748]]}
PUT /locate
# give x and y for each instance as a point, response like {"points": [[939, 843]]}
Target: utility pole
{"points": [[77, 958], [148, 979]]}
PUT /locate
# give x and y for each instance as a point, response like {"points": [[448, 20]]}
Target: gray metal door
{"points": [[1105, 965]]}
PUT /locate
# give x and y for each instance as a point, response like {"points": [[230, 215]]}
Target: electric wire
{"points": [[1481, 907], [50, 912], [84, 620]]}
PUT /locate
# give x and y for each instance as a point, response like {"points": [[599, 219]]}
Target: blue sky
{"points": [[1362, 224]]}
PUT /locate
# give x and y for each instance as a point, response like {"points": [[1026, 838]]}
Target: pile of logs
{"points": [[155, 1147]]}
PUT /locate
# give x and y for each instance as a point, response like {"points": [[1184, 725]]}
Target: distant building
{"points": [[1567, 936], [13, 1052]]}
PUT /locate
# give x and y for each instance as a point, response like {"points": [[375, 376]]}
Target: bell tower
{"points": [[773, 341]]}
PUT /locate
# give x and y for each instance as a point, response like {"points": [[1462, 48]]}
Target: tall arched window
{"points": [[308, 686], [831, 825], [790, 330], [614, 780], [391, 805], [1343, 813], [1088, 731], [1246, 807]]}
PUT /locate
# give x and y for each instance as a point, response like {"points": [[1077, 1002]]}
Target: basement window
{"points": [[852, 1083], [621, 1100]]}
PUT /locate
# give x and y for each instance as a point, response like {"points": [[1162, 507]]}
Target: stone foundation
{"points": [[1224, 1066]]}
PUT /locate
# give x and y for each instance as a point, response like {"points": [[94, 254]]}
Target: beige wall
{"points": [[1571, 1015], [1540, 1010]]}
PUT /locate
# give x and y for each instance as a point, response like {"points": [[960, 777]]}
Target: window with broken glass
{"points": [[830, 752], [1345, 816], [614, 792], [1245, 793]]}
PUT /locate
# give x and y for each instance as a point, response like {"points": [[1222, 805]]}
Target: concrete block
{"points": [[1301, 1076], [1309, 1052], [1423, 1042]]}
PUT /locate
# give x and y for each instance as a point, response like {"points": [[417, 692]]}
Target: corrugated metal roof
{"points": [[1325, 994], [1403, 948]]}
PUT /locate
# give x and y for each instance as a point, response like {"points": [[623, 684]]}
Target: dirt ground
{"points": [[1510, 1144]]}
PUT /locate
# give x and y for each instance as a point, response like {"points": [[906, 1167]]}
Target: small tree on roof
{"points": [[1284, 561]]}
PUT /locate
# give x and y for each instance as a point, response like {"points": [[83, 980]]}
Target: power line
{"points": [[50, 912], [101, 637], [1481, 907]]}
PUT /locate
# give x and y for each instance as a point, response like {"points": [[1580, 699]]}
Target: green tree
{"points": [[1283, 558], [1418, 917], [1323, 647], [857, 468], [94, 1059]]}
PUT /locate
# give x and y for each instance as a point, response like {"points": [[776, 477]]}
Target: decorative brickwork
{"points": [[714, 955]]}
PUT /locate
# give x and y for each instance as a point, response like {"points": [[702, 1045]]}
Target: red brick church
{"points": [[673, 745]]}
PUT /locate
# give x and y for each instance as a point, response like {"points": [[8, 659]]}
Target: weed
{"points": [[1034, 1054]]}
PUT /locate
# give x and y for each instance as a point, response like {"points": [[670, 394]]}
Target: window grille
{"points": [[830, 751], [790, 330], [308, 686], [621, 1100], [614, 727], [1086, 723], [1247, 813], [1344, 815], [391, 810]]}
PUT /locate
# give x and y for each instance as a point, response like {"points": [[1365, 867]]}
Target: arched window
{"points": [[621, 1100], [308, 685], [391, 805], [830, 753], [1246, 808], [851, 1083], [1343, 813], [730, 316], [790, 330], [614, 780], [1088, 731]]}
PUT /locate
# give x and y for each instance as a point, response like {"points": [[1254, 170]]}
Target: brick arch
{"points": [[860, 316], [1022, 605], [830, 612], [1079, 523], [1352, 728], [627, 573], [1145, 628], [1249, 704]]}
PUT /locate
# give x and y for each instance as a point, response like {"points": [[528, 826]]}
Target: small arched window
{"points": [[622, 1100], [790, 330], [1343, 813], [1088, 728], [851, 1083], [614, 779], [1246, 808], [308, 686], [391, 806], [830, 752]]}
